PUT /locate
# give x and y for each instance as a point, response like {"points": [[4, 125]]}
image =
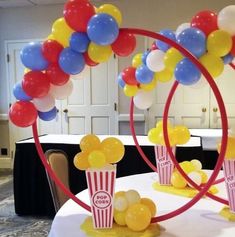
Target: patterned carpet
{"points": [[12, 225]]}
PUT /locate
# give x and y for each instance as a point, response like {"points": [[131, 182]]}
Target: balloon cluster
{"points": [[177, 135], [85, 35], [194, 171], [133, 211], [209, 37], [97, 154]]}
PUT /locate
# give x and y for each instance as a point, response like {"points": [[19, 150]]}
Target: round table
{"points": [[202, 220]]}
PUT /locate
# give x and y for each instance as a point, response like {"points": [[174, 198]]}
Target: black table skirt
{"points": [[31, 190]]}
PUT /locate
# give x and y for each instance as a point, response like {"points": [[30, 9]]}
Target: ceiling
{"points": [[25, 3]]}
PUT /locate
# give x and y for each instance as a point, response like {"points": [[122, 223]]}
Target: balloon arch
{"points": [[88, 36]]}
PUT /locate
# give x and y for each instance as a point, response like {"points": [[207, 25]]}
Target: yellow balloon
{"points": [[138, 217], [119, 194], [203, 176], [177, 180], [51, 37], [61, 31], [81, 161], [89, 143], [213, 64], [119, 217], [230, 150], [153, 136], [159, 124], [99, 53], [171, 58], [150, 204], [182, 134], [97, 159], [137, 60], [171, 135], [130, 90], [111, 10], [113, 149], [164, 76], [219, 43], [187, 167], [150, 86]]}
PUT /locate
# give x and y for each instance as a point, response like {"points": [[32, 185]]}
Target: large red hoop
{"points": [[204, 190]]}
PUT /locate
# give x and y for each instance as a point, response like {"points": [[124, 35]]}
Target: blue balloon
{"points": [[144, 56], [120, 80], [32, 57], [144, 75], [228, 58], [102, 29], [170, 34], [186, 72], [194, 40], [71, 62], [49, 115], [19, 93], [79, 42]]}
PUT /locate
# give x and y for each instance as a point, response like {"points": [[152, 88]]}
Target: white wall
{"points": [[36, 22]]}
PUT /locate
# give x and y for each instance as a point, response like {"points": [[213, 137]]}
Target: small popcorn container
{"points": [[101, 183], [165, 165], [229, 174]]}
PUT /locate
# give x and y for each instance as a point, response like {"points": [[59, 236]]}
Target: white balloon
{"points": [[143, 99], [45, 103], [120, 203], [181, 28], [62, 92], [155, 60], [226, 19], [132, 196], [196, 178]]}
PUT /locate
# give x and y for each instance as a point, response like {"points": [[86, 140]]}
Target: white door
{"points": [[15, 72], [192, 105], [92, 106], [155, 112], [226, 85]]}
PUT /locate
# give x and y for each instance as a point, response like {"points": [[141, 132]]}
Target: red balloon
{"points": [[23, 113], [128, 75], [88, 60], [77, 13], [36, 84], [125, 44], [51, 50], [233, 47], [56, 76], [206, 21]]}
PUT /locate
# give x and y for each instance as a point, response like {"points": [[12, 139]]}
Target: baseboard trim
{"points": [[5, 163]]}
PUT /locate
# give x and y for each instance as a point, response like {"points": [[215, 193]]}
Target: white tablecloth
{"points": [[210, 137], [126, 140], [202, 220]]}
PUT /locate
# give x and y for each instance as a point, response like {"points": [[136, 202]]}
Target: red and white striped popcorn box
{"points": [[165, 166], [229, 174], [101, 185]]}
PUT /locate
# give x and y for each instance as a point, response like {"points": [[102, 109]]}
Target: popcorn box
{"points": [[101, 183], [165, 165], [229, 174]]}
